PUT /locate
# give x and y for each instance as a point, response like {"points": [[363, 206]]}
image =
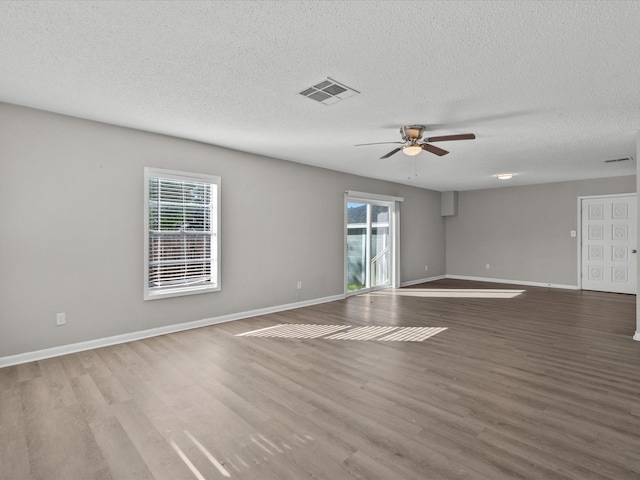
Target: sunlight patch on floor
{"points": [[448, 293], [346, 332], [254, 450]]}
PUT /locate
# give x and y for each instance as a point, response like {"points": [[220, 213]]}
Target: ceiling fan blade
{"points": [[433, 149], [392, 152], [377, 143], [446, 138]]}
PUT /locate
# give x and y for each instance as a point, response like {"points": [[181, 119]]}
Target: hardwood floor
{"points": [[525, 383]]}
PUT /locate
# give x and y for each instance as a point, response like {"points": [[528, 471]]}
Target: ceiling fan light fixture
{"points": [[411, 136], [411, 150], [504, 176]]}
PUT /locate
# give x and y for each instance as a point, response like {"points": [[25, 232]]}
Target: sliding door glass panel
{"points": [[356, 246], [380, 246]]}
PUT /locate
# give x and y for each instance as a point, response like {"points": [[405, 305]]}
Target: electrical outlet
{"points": [[426, 268], [488, 266], [60, 319], [299, 284], [573, 233]]}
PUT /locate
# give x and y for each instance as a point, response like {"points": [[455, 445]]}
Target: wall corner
{"points": [[637, 335]]}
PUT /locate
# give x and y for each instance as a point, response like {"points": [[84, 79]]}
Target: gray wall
{"points": [[522, 232], [71, 233]]}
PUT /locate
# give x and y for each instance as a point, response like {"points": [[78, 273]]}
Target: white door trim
{"points": [[579, 226]]}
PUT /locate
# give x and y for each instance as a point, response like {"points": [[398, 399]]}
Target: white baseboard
{"points": [[636, 337], [153, 332], [421, 280], [513, 282]]}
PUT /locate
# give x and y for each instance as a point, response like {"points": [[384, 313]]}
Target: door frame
{"points": [[579, 231], [394, 236]]}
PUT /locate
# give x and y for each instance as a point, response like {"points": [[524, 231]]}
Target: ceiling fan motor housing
{"points": [[411, 132]]}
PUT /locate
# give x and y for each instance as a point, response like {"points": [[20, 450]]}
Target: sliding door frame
{"points": [[394, 236]]}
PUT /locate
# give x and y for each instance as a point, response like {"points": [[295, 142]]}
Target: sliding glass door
{"points": [[370, 252]]}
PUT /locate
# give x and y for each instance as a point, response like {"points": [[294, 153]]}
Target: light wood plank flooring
{"points": [[529, 383]]}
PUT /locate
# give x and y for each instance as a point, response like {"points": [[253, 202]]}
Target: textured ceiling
{"points": [[551, 89]]}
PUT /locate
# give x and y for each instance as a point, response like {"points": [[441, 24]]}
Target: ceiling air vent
{"points": [[329, 92], [616, 160]]}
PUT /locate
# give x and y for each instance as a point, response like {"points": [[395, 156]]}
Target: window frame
{"points": [[177, 291]]}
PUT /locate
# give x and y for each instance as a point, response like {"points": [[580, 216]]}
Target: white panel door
{"points": [[609, 243]]}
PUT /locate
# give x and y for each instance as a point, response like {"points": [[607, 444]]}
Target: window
{"points": [[182, 223]]}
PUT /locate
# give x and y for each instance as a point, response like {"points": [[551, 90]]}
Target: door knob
{"points": [[633, 251]]}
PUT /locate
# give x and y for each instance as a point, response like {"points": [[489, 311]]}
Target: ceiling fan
{"points": [[411, 145]]}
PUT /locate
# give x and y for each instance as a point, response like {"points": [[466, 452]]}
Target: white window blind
{"points": [[181, 242]]}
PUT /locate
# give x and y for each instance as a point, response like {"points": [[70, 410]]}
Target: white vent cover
{"points": [[329, 91]]}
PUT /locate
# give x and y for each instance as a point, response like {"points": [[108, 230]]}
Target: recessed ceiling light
{"points": [[505, 176]]}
